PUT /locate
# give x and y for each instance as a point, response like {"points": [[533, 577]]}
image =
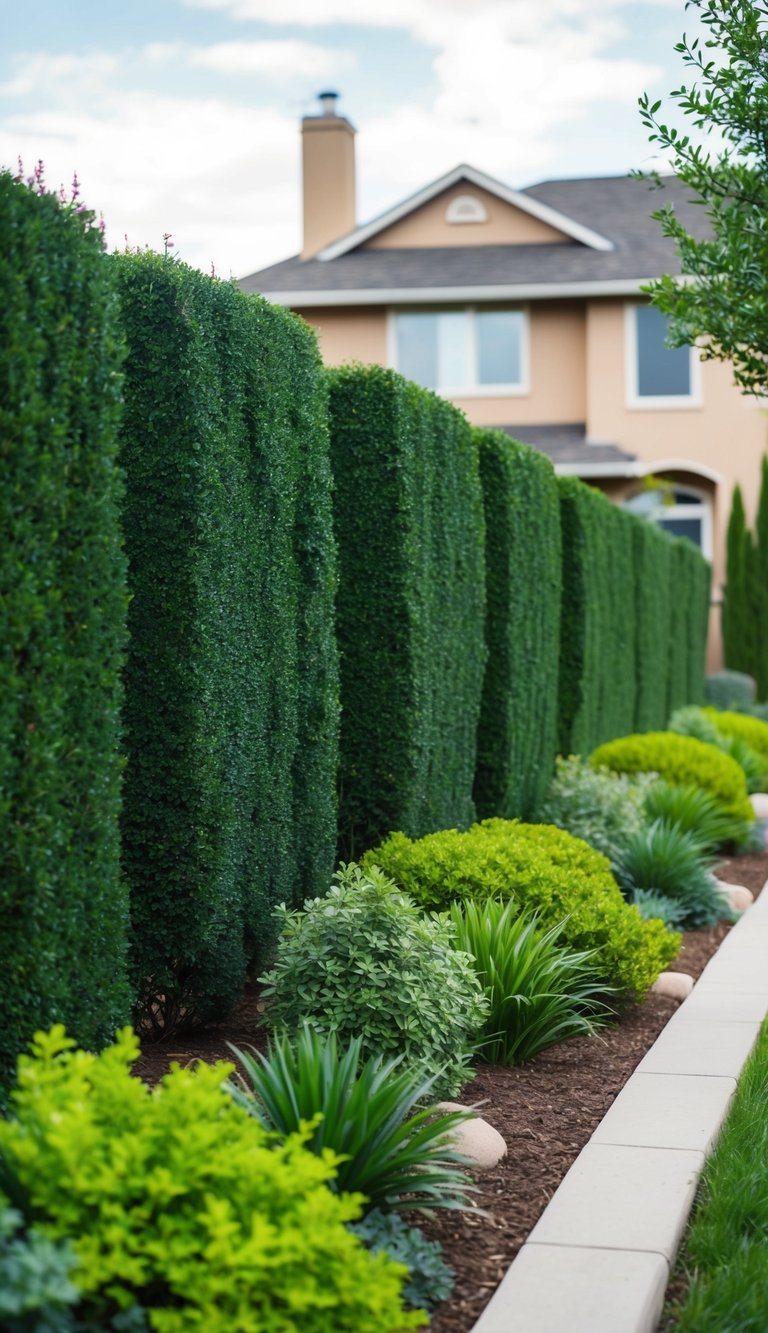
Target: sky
{"points": [[182, 117]]}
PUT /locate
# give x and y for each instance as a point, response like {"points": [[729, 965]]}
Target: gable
{"points": [[428, 227]]}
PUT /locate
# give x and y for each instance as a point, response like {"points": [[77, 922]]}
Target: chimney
{"points": [[328, 176]]}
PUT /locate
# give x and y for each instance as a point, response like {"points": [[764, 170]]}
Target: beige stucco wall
{"points": [[354, 333], [727, 434], [427, 227]]}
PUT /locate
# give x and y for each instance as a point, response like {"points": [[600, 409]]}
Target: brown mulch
{"points": [[545, 1111]]}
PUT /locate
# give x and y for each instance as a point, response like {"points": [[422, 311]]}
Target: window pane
{"points": [[416, 337], [499, 338], [661, 371], [683, 527], [452, 359]]}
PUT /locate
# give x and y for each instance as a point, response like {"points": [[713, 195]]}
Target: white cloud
{"points": [[278, 60], [78, 73]]}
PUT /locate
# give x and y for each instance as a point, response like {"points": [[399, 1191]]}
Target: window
{"points": [[466, 208], [658, 376], [679, 511], [472, 352]]}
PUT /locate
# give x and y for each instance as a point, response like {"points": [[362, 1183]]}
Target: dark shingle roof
{"points": [[567, 445], [618, 207]]}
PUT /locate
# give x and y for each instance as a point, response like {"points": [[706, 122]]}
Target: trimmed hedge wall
{"points": [[409, 525], [517, 735], [63, 908], [231, 686], [655, 604], [597, 645]]}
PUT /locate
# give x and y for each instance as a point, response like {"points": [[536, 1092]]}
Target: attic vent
{"points": [[466, 208]]}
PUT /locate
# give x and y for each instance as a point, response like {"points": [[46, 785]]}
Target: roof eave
{"points": [[535, 291]]}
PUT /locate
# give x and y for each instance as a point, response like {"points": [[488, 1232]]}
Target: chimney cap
{"points": [[328, 102]]}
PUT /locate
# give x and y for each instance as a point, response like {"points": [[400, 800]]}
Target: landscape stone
{"points": [[676, 985], [759, 801], [476, 1139]]}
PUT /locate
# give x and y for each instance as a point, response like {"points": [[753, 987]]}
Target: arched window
{"points": [[680, 510], [466, 208]]}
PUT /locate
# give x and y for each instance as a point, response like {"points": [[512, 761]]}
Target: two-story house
{"points": [[524, 307]]}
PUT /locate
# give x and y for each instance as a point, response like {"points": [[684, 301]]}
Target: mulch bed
{"points": [[546, 1112]]}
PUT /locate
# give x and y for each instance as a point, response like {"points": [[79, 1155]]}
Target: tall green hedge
{"points": [[517, 735], [231, 684], [409, 525], [598, 637], [62, 611], [655, 627]]}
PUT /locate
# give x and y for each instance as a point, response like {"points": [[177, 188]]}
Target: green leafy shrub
{"points": [[63, 906], [702, 723], [386, 1148], [545, 870], [680, 759], [602, 808], [540, 991], [37, 1294], [231, 682], [430, 1279], [663, 859], [517, 734], [730, 689], [697, 812], [363, 961], [652, 905], [408, 518], [752, 730], [143, 1183]]}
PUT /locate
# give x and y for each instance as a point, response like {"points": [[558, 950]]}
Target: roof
{"points": [[617, 208], [568, 448]]}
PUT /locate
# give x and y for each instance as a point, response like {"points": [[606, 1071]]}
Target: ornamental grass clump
{"points": [[662, 859], [373, 1114], [544, 870], [176, 1200], [364, 962], [695, 811], [540, 991]]}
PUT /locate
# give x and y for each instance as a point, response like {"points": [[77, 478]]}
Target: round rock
{"points": [[759, 801], [737, 896], [475, 1138], [676, 985]]}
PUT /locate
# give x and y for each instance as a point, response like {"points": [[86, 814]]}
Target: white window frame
{"points": [[700, 508], [653, 402], [471, 389]]}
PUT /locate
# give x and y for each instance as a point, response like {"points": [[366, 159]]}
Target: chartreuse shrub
{"points": [[517, 735], [597, 637], [231, 686], [363, 961], [540, 991], [63, 907], [544, 870], [177, 1200], [365, 1110], [408, 518], [604, 809], [680, 759], [724, 1254], [752, 730]]}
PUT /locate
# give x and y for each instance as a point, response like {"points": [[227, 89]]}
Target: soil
{"points": [[545, 1111]]}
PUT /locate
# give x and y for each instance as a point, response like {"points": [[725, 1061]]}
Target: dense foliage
{"points": [[752, 730], [604, 809], [545, 870], [363, 961], [703, 724], [430, 1280], [408, 519], [63, 597], [517, 736], [231, 699], [663, 859], [697, 812], [143, 1183]]}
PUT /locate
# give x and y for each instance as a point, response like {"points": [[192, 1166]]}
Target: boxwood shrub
{"points": [[680, 759], [545, 870], [752, 730], [63, 908], [517, 735], [408, 518], [174, 1198]]}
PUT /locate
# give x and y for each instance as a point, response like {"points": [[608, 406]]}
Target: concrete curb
{"points": [[599, 1258]]}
